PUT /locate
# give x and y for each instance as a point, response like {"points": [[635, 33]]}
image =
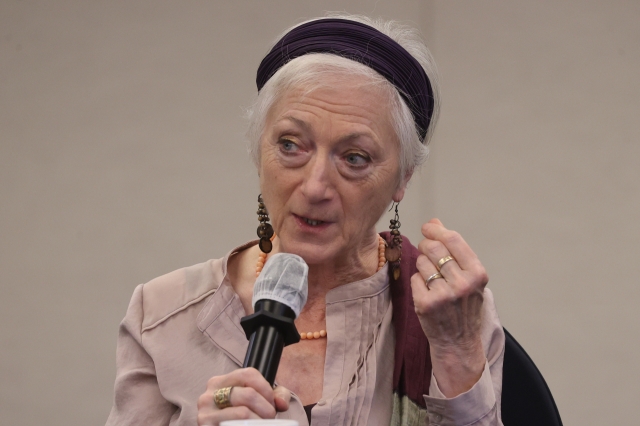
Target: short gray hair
{"points": [[305, 71]]}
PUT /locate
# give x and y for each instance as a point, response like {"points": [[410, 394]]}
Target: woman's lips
{"points": [[309, 223], [312, 222]]}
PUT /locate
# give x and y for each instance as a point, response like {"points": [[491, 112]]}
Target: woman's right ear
{"points": [[398, 195]]}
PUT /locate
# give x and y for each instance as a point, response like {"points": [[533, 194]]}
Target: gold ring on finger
{"points": [[444, 260], [222, 397], [433, 277]]}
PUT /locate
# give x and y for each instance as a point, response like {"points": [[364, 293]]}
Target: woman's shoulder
{"points": [[165, 296]]}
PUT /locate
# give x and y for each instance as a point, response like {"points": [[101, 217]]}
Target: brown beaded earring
{"points": [[394, 251], [265, 230]]}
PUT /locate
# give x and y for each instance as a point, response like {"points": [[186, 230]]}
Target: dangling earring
{"points": [[394, 251], [265, 230]]}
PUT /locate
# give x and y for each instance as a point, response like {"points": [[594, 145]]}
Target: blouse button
{"points": [[321, 402]]}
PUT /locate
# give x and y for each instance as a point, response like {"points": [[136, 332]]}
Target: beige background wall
{"points": [[122, 158]]}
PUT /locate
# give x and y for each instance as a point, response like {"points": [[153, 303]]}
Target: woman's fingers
{"points": [[463, 280], [436, 221], [435, 251], [214, 417], [453, 243], [251, 397], [441, 242], [245, 377], [426, 270], [450, 308], [282, 397]]}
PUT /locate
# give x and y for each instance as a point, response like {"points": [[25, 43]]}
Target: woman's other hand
{"points": [[251, 398], [450, 308]]}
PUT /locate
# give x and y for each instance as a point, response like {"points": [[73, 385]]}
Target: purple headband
{"points": [[361, 43]]}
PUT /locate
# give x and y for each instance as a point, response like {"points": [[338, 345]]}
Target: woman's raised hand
{"points": [[251, 397], [450, 307]]}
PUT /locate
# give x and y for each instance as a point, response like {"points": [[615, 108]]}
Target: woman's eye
{"points": [[287, 145], [356, 159]]}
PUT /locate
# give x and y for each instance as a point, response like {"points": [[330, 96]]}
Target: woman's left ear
{"points": [[402, 186]]}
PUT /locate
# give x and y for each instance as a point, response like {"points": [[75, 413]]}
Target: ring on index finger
{"points": [[444, 260], [222, 397]]}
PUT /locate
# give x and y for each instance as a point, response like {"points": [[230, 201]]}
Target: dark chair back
{"points": [[526, 398]]}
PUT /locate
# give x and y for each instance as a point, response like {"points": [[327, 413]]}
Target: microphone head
{"points": [[283, 279]]}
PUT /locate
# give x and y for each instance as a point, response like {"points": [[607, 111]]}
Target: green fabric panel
{"points": [[407, 413]]}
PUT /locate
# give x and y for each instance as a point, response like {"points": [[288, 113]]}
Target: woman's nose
{"points": [[317, 185]]}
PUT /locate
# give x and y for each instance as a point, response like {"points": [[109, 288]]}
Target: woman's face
{"points": [[329, 167]]}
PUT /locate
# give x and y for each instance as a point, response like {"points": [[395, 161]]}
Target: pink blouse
{"points": [[184, 327]]}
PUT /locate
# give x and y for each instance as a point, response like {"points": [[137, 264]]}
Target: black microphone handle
{"points": [[269, 330], [264, 352]]}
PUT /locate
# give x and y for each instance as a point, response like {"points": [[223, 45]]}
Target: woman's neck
{"points": [[323, 277], [355, 265]]}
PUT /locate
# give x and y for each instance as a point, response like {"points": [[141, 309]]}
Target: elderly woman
{"points": [[392, 334]]}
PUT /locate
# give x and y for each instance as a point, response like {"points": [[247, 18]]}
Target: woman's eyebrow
{"points": [[306, 127], [356, 135], [300, 123]]}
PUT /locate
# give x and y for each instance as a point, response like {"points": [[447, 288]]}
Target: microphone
{"points": [[279, 294]]}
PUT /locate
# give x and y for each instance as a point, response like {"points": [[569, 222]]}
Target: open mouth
{"points": [[312, 222]]}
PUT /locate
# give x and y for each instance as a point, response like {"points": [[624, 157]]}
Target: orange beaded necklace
{"points": [[262, 258]]}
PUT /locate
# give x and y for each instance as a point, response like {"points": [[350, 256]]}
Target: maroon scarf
{"points": [[412, 362]]}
